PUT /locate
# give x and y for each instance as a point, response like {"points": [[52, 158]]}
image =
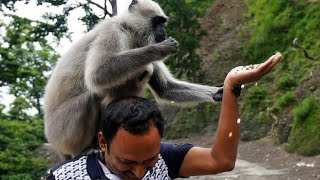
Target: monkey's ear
{"points": [[134, 2]]}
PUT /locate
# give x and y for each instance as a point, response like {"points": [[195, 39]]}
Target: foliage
{"points": [[18, 109], [270, 24], [254, 105], [286, 81], [184, 27], [58, 22], [302, 111], [286, 99], [17, 142], [305, 134], [305, 26], [2, 107], [274, 25], [257, 96], [25, 59], [190, 121]]}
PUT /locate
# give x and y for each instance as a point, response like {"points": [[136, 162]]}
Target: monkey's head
{"points": [[147, 17]]}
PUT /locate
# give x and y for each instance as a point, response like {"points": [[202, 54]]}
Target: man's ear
{"points": [[102, 142]]}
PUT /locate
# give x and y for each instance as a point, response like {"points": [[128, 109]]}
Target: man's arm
{"points": [[221, 157], [223, 153]]}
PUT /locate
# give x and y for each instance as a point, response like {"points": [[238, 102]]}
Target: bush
{"points": [[270, 23], [286, 81], [285, 100], [255, 121], [273, 27], [305, 134], [17, 141], [190, 121], [304, 110], [256, 97]]}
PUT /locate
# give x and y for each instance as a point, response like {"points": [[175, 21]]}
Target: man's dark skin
{"points": [[130, 156]]}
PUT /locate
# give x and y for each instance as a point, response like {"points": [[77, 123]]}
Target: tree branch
{"points": [[96, 4], [16, 16], [114, 7], [105, 10], [298, 46]]}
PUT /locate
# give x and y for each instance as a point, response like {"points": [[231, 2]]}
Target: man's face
{"points": [[130, 156]]}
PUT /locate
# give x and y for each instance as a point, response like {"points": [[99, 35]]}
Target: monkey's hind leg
{"points": [[72, 127]]}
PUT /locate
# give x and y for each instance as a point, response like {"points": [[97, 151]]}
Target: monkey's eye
{"points": [[162, 19], [158, 20]]}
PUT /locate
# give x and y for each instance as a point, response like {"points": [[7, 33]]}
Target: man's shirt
{"points": [[89, 167]]}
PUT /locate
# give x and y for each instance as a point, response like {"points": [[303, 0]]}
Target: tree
{"points": [[26, 56], [90, 18], [18, 109], [184, 26], [18, 140], [60, 20], [2, 107], [25, 59]]}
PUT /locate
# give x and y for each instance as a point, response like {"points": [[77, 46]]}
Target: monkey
{"points": [[117, 58]]}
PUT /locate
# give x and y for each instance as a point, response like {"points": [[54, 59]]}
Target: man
{"points": [[131, 147]]}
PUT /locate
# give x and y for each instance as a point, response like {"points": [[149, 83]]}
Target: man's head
{"points": [[132, 128]]}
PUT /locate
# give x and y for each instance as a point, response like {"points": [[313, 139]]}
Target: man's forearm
{"points": [[224, 149]]}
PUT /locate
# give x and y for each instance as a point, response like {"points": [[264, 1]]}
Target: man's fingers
{"points": [[264, 66], [270, 65], [254, 72]]}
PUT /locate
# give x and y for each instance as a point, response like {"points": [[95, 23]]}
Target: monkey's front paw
{"points": [[171, 45], [218, 95]]}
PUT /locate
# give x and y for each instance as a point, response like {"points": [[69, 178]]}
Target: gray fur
{"points": [[117, 58]]}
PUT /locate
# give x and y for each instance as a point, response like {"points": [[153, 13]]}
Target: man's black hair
{"points": [[134, 114]]}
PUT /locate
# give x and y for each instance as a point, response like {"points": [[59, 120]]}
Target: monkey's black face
{"points": [[158, 25]]}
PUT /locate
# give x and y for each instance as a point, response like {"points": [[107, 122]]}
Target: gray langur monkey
{"points": [[115, 59]]}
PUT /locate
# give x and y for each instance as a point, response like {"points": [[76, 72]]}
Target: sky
{"points": [[75, 26], [34, 12]]}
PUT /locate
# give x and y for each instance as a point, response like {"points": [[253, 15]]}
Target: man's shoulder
{"points": [[170, 145], [75, 168], [80, 167], [171, 150], [159, 171], [170, 160]]}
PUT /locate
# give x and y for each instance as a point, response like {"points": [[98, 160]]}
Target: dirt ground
{"points": [[278, 164]]}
